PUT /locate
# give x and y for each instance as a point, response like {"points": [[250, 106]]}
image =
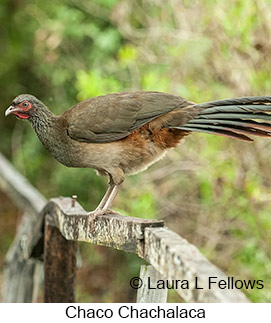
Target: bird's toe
{"points": [[93, 215], [109, 211]]}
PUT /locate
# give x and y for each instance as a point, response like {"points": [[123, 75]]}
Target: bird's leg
{"points": [[104, 205], [105, 198], [108, 203], [99, 209]]}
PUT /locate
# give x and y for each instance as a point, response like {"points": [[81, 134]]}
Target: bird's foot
{"points": [[93, 214]]}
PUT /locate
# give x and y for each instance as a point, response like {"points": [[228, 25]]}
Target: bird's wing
{"points": [[114, 116]]}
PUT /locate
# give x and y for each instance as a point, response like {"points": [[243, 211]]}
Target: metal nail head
{"points": [[74, 198]]}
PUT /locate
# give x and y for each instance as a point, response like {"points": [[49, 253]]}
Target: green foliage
{"points": [[142, 203], [93, 84], [127, 54], [213, 191]]}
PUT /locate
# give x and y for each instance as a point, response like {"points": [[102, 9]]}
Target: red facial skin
{"points": [[20, 114]]}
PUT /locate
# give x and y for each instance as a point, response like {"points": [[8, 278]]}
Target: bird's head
{"points": [[24, 106]]}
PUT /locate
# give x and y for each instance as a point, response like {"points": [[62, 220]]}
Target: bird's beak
{"points": [[10, 110]]}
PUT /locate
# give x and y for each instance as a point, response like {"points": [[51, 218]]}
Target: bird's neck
{"points": [[46, 126], [43, 122], [52, 134]]}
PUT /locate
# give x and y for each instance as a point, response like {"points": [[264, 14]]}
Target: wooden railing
{"points": [[47, 238]]}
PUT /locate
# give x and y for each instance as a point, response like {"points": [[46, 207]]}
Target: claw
{"points": [[92, 216]]}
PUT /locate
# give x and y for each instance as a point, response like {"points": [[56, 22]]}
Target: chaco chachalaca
{"points": [[124, 133]]}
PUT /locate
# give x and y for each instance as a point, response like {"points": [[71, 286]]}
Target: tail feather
{"points": [[236, 122], [252, 108], [236, 101], [243, 130], [234, 118], [223, 133], [225, 115]]}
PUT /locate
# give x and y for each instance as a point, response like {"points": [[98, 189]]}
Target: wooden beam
{"points": [[19, 190], [22, 274], [59, 266], [171, 255], [116, 231], [176, 259]]}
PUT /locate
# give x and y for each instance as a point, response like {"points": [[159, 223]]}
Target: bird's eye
{"points": [[25, 105]]}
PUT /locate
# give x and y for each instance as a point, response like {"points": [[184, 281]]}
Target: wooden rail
{"points": [[171, 257], [23, 271]]}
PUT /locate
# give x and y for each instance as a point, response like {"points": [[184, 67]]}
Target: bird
{"points": [[123, 133]]}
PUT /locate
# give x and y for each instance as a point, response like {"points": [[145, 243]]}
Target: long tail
{"points": [[234, 118]]}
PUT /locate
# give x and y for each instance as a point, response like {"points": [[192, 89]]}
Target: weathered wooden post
{"points": [[59, 265], [147, 293]]}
